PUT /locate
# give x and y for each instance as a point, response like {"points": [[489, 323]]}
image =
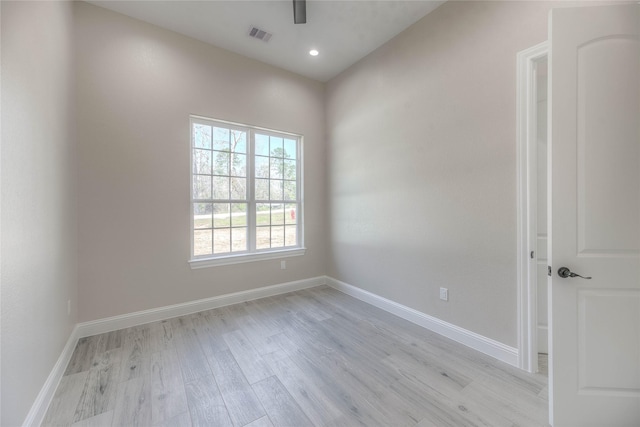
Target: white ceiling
{"points": [[343, 31]]}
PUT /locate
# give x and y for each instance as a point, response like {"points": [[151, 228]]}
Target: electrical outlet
{"points": [[283, 265], [444, 294], [68, 307]]}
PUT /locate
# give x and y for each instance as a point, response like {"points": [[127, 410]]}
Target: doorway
{"points": [[592, 215], [533, 340], [540, 195]]}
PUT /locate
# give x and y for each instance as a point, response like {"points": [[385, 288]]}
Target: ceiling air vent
{"points": [[259, 34]]}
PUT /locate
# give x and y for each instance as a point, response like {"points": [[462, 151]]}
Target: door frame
{"points": [[526, 171]]}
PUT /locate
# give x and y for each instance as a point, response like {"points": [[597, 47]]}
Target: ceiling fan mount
{"points": [[299, 11]]}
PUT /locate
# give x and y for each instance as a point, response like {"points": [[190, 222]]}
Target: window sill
{"points": [[242, 258]]}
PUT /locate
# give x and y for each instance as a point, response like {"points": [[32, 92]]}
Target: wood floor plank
{"points": [[468, 362], [380, 342], [253, 366], [321, 303], [521, 408], [168, 396], [427, 372], [275, 312], [65, 400], [447, 408], [221, 319], [115, 339], [337, 301], [103, 420], [193, 360], [109, 341], [259, 336], [181, 420], [205, 403], [308, 306], [209, 334], [360, 386], [398, 407], [133, 405], [100, 388], [234, 311], [313, 401], [262, 422], [239, 398], [350, 340], [280, 406], [261, 311], [349, 346], [162, 336], [327, 374], [426, 423], [83, 355], [135, 353]]}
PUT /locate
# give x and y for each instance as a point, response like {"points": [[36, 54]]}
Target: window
{"points": [[245, 193]]}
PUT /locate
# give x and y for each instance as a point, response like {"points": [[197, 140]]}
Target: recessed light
{"points": [[313, 52]]}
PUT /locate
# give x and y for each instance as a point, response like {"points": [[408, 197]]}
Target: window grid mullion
{"points": [[251, 214], [270, 201], [229, 178], [220, 201]]}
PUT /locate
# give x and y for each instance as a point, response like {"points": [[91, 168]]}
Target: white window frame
{"points": [[252, 254]]}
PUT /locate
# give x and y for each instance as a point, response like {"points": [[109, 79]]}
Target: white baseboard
{"points": [[41, 404], [100, 326], [475, 341]]}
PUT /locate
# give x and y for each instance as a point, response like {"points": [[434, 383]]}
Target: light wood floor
{"points": [[543, 364], [313, 357]]}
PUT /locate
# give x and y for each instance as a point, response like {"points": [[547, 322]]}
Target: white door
{"points": [[595, 215]]}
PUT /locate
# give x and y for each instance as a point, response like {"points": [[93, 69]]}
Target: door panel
{"points": [[600, 312], [595, 215], [608, 172]]}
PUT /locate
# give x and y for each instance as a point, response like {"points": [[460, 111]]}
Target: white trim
{"points": [[526, 206], [475, 341], [114, 323], [242, 125], [41, 404], [245, 257], [251, 253]]}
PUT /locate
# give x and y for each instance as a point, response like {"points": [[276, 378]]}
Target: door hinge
{"points": [[532, 254], [549, 271]]}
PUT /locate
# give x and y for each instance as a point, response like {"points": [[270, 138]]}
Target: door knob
{"points": [[565, 272]]}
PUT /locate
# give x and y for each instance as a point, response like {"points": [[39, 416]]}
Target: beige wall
{"points": [[422, 165], [39, 237], [137, 85]]}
